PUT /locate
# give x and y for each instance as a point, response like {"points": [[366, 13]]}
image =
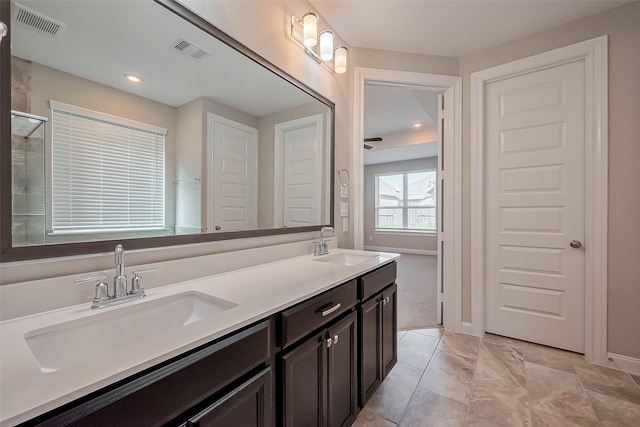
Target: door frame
{"points": [[594, 54], [452, 271]]}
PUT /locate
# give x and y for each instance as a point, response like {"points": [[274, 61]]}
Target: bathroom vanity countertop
{"points": [[260, 291]]}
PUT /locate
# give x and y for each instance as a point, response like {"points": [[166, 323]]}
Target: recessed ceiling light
{"points": [[133, 78], [417, 125]]}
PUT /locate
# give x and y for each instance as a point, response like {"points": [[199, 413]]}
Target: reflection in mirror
{"points": [[129, 121]]}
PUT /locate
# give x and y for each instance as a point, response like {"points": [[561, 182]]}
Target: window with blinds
{"points": [[107, 172]]}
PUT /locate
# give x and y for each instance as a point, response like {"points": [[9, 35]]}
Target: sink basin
{"points": [[346, 259], [90, 339]]}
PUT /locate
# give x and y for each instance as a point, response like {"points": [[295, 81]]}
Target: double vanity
{"points": [[301, 341]]}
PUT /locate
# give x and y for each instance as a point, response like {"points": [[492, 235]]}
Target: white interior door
{"points": [[446, 197], [298, 190], [232, 175], [534, 181]]}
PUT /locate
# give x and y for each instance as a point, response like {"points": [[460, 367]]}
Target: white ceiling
{"points": [[102, 40], [448, 27]]}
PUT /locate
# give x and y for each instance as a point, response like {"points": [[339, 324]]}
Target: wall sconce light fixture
{"points": [[305, 32]]}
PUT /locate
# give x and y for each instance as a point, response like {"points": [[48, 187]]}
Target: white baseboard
{"points": [[401, 250], [623, 363], [465, 328]]}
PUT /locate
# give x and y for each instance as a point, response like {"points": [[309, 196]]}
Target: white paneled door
{"points": [[298, 188], [534, 201], [232, 176]]}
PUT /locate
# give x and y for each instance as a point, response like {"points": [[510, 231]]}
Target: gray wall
{"points": [[418, 242]]}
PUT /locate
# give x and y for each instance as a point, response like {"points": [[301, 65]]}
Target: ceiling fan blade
{"points": [[367, 147], [376, 139]]}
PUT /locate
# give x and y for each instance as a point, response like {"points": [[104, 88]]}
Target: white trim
{"points": [[74, 109], [594, 54], [466, 328], [402, 250], [407, 232], [453, 288], [623, 363]]}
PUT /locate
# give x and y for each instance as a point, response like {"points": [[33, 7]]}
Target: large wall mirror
{"points": [[138, 121]]}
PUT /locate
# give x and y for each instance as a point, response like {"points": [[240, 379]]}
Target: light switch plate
{"points": [[345, 224], [344, 209], [344, 192]]}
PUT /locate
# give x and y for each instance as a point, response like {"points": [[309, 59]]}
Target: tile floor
{"points": [[447, 379]]}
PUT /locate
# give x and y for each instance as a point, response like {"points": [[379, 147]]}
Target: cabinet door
{"points": [[341, 373], [303, 384], [249, 405], [389, 329], [370, 324]]}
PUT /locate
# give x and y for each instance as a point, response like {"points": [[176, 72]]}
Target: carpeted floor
{"points": [[416, 291]]}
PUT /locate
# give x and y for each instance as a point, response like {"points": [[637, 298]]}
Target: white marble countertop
{"points": [[26, 391]]}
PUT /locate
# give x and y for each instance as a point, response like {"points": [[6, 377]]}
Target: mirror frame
{"points": [[9, 253]]}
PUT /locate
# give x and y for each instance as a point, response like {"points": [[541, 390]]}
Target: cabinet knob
{"points": [[329, 342], [335, 339]]}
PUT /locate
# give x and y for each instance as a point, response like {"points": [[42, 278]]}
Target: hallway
{"points": [[416, 291]]}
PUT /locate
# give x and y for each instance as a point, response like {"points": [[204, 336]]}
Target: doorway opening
{"points": [[446, 193]]}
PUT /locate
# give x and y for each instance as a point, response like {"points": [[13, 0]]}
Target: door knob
{"points": [[575, 244], [217, 228]]}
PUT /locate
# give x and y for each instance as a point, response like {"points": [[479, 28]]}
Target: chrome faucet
{"points": [[322, 247], [120, 294], [120, 280]]}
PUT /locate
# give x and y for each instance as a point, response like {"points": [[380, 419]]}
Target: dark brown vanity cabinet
{"points": [[213, 385], [319, 378], [318, 363], [377, 317]]}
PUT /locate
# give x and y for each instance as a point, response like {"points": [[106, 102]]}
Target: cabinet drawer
{"points": [[310, 315], [374, 282]]}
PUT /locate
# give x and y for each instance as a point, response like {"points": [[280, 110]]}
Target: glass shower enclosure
{"points": [[28, 179]]}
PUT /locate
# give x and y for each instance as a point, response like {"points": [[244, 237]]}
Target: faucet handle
{"points": [[136, 281], [102, 289]]}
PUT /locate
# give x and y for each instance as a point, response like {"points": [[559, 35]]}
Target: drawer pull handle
{"points": [[328, 311], [335, 339], [329, 342]]}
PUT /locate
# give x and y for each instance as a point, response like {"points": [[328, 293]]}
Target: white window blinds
{"points": [[107, 172]]}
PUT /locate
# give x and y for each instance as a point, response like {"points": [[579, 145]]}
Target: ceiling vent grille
{"points": [[190, 49], [37, 21]]}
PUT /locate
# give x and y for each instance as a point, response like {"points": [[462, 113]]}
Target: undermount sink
{"points": [[346, 259], [91, 339]]}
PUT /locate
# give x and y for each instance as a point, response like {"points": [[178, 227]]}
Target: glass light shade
{"points": [[326, 45], [310, 29], [340, 63]]}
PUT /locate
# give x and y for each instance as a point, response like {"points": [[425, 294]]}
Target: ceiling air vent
{"points": [[190, 49], [37, 21]]}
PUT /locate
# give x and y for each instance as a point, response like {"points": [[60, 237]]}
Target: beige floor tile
{"points": [[428, 409], [552, 357], [392, 398], [509, 342], [416, 349], [461, 344], [432, 332], [614, 412], [502, 363], [541, 419], [368, 418], [496, 403], [449, 375], [560, 394], [607, 381]]}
